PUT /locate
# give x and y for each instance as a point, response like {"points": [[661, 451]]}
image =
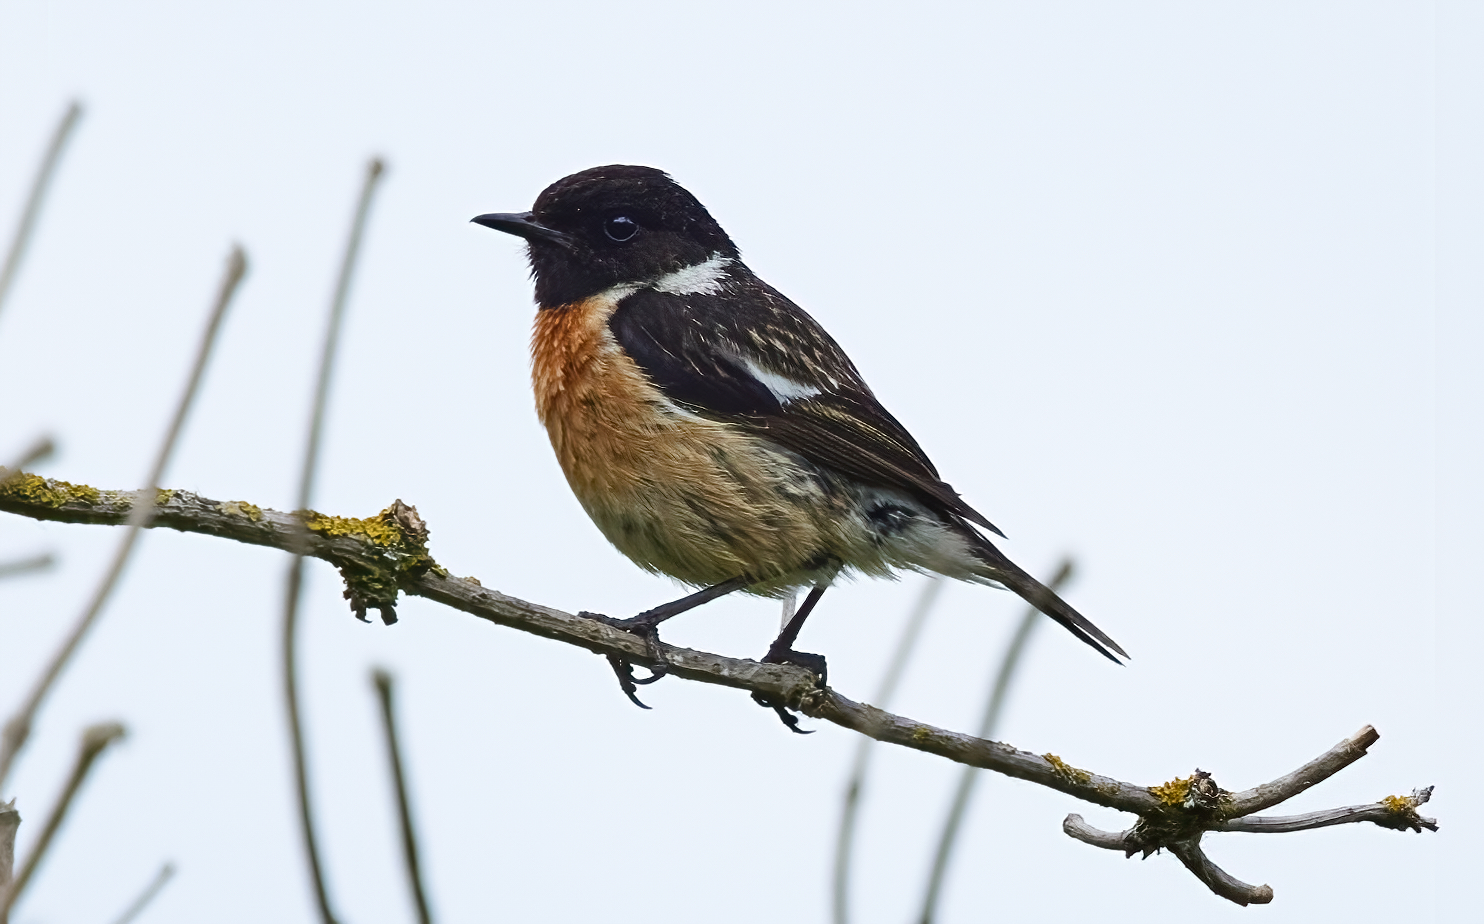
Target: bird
{"points": [[715, 432]]}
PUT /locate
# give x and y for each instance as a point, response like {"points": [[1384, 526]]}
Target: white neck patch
{"points": [[700, 279]]}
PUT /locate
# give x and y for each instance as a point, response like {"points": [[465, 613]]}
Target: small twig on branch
{"points": [[386, 554], [34, 199], [383, 683], [156, 885], [94, 740], [294, 580], [855, 785], [1396, 812], [141, 509], [1004, 677], [1212, 808], [30, 565], [36, 452]]}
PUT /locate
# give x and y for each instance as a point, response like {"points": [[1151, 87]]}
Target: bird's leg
{"points": [[782, 652], [646, 626]]}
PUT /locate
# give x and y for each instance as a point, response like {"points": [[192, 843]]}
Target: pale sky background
{"points": [[1190, 291]]}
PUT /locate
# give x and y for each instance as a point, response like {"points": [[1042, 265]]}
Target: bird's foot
{"points": [[815, 664], [623, 669]]}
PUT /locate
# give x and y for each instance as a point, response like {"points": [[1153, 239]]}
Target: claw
{"points": [[626, 679], [622, 667], [815, 664], [787, 718]]}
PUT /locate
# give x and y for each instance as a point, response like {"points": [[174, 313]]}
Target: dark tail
{"points": [[1044, 599]]}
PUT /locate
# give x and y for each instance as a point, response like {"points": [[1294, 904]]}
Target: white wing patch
{"points": [[783, 388], [700, 279]]}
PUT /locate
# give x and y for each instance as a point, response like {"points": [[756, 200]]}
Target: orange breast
{"points": [[676, 493]]}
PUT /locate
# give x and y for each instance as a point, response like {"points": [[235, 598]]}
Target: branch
{"points": [[294, 580], [95, 739], [17, 728], [383, 683], [964, 791], [34, 198], [162, 878], [1202, 796], [10, 820], [845, 836], [382, 555]]}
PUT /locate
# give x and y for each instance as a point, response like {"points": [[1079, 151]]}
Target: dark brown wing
{"points": [[747, 355]]}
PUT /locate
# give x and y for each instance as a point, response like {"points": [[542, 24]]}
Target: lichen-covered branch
{"points": [[382, 555]]}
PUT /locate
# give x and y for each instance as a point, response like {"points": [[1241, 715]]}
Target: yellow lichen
{"points": [[1399, 804], [375, 529], [241, 509], [921, 734], [47, 491], [1066, 771], [1175, 792]]}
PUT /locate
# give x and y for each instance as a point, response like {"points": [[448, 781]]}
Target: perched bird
{"points": [[714, 431]]}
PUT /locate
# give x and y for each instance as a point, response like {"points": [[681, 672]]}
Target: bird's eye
{"points": [[620, 228]]}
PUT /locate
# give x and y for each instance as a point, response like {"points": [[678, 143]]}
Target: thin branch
{"points": [[294, 582], [30, 565], [383, 555], [987, 724], [95, 740], [18, 728], [1189, 852], [850, 809], [1317, 770], [156, 885], [383, 683], [10, 820], [34, 199], [1210, 803], [1217, 879], [1396, 812], [36, 452]]}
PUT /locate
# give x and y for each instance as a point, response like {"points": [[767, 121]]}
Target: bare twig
{"points": [[1210, 808], [959, 806], [850, 809], [34, 199], [1396, 812], [141, 510], [383, 682], [30, 565], [36, 452], [156, 885], [1217, 879], [294, 582], [10, 820], [386, 554], [1317, 770], [94, 740]]}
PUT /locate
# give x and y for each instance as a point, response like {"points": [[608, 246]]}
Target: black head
{"points": [[611, 225]]}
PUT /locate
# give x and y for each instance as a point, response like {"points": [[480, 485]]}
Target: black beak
{"points": [[522, 224]]}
